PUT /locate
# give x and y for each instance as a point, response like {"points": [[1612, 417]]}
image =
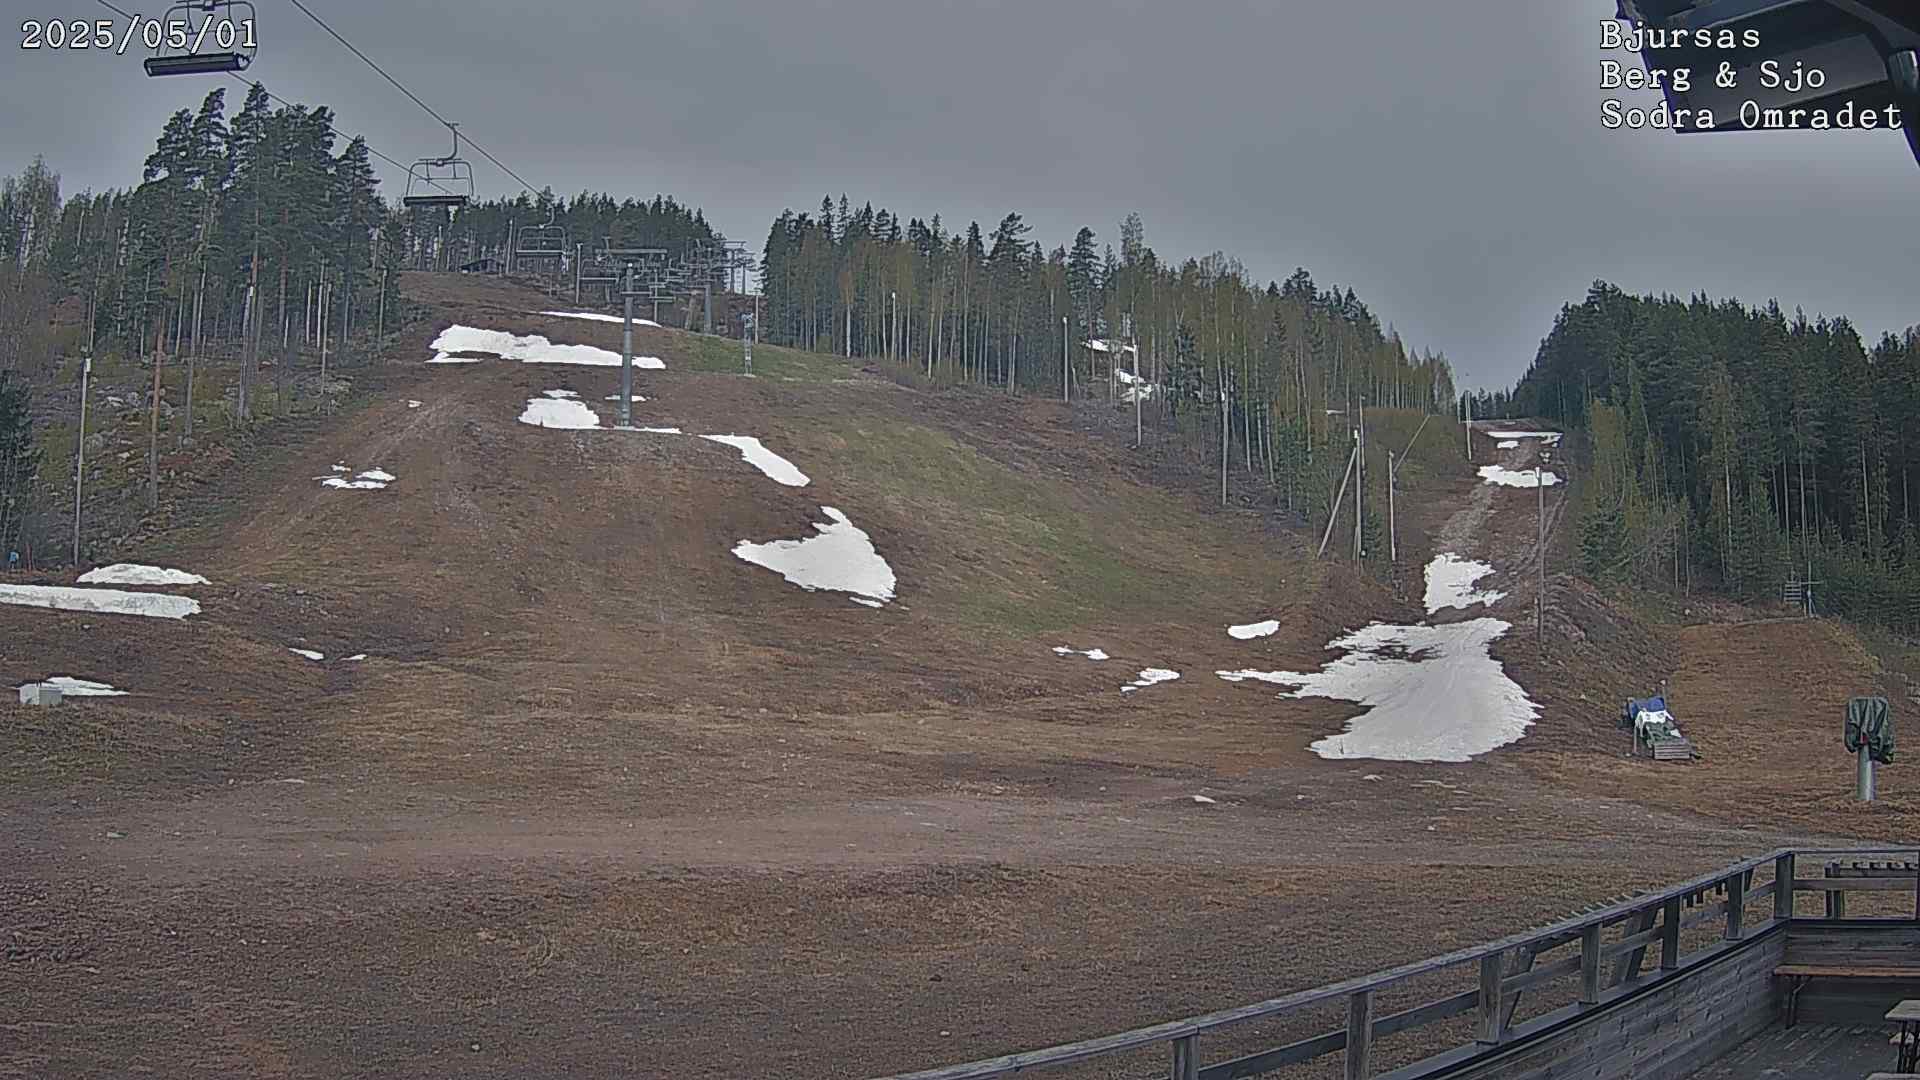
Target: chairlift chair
{"points": [[1869, 51], [451, 176], [548, 241], [227, 25]]}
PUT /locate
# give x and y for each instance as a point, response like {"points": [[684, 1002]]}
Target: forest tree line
{"points": [[1740, 447], [1284, 363]]}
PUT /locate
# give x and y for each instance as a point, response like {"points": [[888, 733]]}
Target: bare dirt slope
{"points": [[604, 800]]}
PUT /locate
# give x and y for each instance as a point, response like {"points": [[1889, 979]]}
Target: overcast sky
{"points": [[1445, 159]]}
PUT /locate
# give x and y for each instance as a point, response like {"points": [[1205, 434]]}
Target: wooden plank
{"points": [[1590, 965], [1186, 1058], [1423, 1015], [1634, 944], [1702, 915], [1670, 936], [1513, 984], [1895, 883], [1737, 906], [1523, 962], [1268, 1060], [1492, 1019], [1843, 971], [1359, 1056]]}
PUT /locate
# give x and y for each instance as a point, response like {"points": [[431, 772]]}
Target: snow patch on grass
{"points": [[138, 574], [1254, 630], [1431, 693], [1091, 654], [1517, 478], [777, 468], [1450, 581], [308, 653], [1507, 444], [72, 687], [531, 349], [1148, 677], [101, 601], [841, 558], [370, 480], [551, 412], [595, 316]]}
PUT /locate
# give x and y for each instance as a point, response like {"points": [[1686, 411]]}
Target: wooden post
{"points": [[1670, 936], [1186, 1058], [1492, 1017], [1736, 906], [1783, 887], [1360, 1035], [1590, 965]]}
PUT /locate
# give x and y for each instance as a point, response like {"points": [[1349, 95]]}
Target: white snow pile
{"points": [[100, 601], [1431, 693], [137, 574], [595, 316], [531, 349], [1550, 437], [357, 656], [840, 558], [557, 394], [1507, 444], [1518, 478], [1450, 581], [1091, 654], [71, 687], [636, 399], [308, 653], [1097, 345], [370, 480], [777, 468], [1253, 630], [554, 411], [412, 404], [663, 430], [1137, 387], [1149, 676]]}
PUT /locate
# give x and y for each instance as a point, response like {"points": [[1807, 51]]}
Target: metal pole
{"points": [[1864, 775], [80, 449], [1066, 365], [1333, 515], [1540, 599], [1469, 425], [1356, 493], [1393, 533], [626, 353], [578, 250], [320, 320]]}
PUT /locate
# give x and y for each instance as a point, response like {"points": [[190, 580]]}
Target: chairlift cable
{"points": [[410, 94]]}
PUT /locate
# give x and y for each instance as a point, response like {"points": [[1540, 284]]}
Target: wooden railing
{"points": [[1652, 921]]}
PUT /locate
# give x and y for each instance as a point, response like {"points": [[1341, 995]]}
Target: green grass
{"points": [[707, 353], [1026, 555]]}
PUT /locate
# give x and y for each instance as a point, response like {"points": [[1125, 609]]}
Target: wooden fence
{"points": [[1620, 934]]}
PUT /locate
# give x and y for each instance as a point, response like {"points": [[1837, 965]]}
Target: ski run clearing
{"points": [[840, 558], [138, 574], [100, 601], [456, 341]]}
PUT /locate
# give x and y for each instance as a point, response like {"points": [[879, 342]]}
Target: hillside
{"points": [[575, 787]]}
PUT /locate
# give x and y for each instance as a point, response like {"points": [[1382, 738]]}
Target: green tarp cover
{"points": [[1869, 723]]}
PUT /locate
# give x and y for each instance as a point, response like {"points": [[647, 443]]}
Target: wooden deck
{"points": [[1808, 1052]]}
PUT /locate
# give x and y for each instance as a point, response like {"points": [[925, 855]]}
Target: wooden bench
{"points": [[1801, 974]]}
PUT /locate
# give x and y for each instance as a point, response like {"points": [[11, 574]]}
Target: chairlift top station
{"points": [[1869, 51]]}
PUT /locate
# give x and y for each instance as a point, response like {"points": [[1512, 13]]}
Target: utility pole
{"points": [[1356, 492], [80, 445], [1467, 403], [626, 352], [1393, 534], [320, 320], [1333, 514], [1360, 479], [1540, 599], [1223, 433], [1066, 364]]}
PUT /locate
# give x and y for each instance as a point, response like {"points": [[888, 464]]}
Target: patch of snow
{"points": [[841, 558], [663, 430], [559, 413], [102, 601], [597, 317], [560, 394], [370, 480], [777, 468], [339, 466], [1203, 800], [1091, 654], [1450, 581], [1148, 677], [71, 687], [138, 574], [380, 475], [531, 349], [1254, 630], [412, 404], [1518, 478], [1371, 777], [1523, 434], [1507, 444], [358, 656], [1431, 693], [308, 653], [636, 399], [1097, 345]]}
